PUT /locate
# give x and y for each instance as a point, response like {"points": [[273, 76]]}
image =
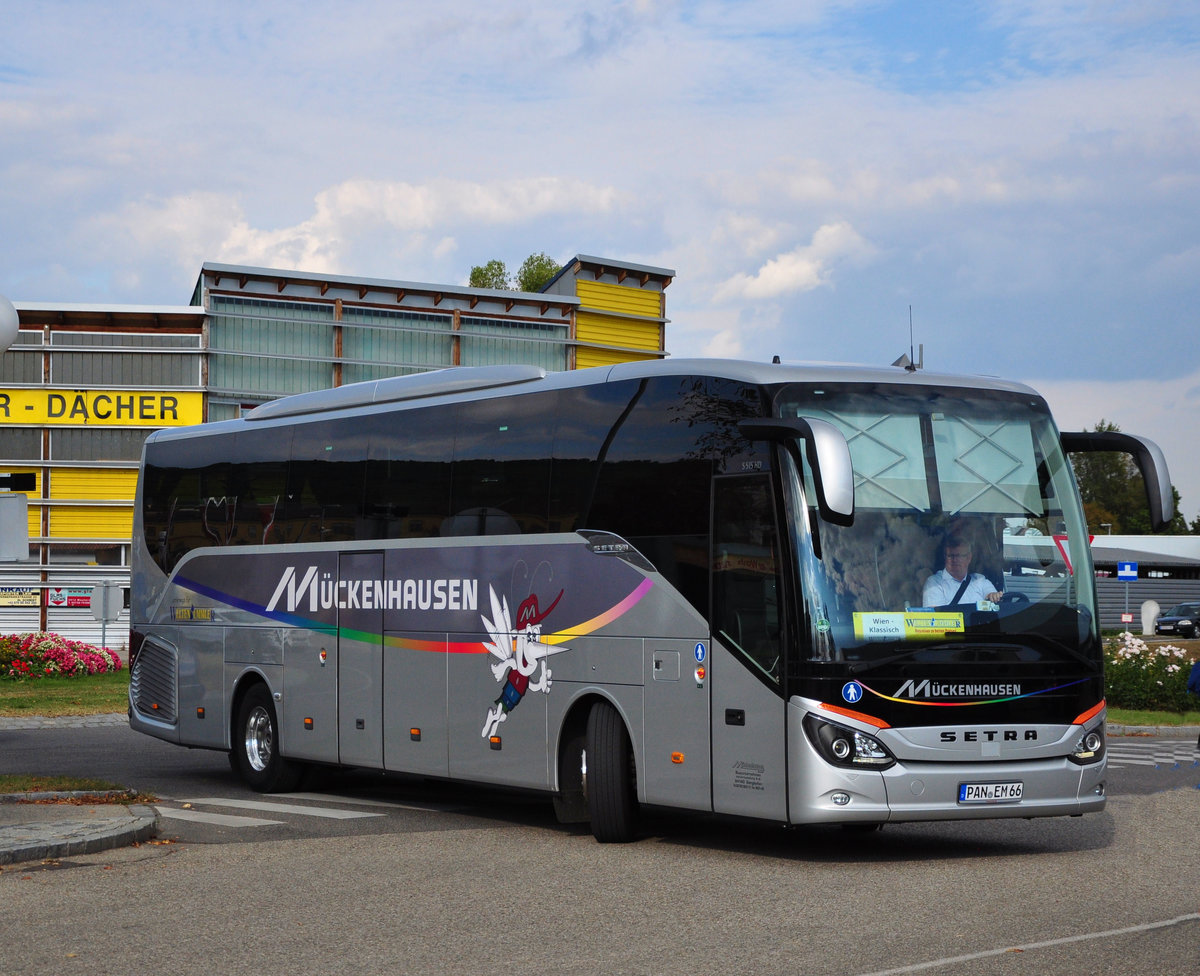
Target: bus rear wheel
{"points": [[255, 753], [610, 782]]}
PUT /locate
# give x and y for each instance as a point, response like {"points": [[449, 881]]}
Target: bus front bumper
{"points": [[935, 791]]}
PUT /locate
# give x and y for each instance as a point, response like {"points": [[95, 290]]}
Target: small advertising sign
{"points": [[69, 596]]}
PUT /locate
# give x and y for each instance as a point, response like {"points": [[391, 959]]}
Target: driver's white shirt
{"points": [[941, 587]]}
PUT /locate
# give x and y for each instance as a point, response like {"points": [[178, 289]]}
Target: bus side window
{"points": [[745, 571]]}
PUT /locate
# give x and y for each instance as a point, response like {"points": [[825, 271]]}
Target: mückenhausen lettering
{"points": [[938, 689], [311, 590]]}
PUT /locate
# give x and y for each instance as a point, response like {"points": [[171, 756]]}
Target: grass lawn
{"points": [[1128, 716], [93, 695], [29, 783]]}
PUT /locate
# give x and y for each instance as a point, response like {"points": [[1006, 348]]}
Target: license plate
{"points": [[990, 792]]}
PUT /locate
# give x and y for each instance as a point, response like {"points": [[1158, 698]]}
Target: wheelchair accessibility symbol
{"points": [[852, 691]]}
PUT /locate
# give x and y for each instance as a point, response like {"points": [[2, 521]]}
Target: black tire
{"points": [[611, 785], [255, 755]]}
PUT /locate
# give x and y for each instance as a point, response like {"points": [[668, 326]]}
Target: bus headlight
{"points": [[1089, 748], [845, 747]]}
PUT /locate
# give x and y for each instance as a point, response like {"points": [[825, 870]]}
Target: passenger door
{"points": [[749, 742], [360, 659]]}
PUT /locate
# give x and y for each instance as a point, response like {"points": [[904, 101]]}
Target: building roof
{"points": [[360, 288], [622, 269], [98, 314]]}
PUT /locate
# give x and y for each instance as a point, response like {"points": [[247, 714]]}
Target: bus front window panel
{"points": [[929, 463]]}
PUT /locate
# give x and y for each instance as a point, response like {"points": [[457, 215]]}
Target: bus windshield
{"points": [[968, 543]]}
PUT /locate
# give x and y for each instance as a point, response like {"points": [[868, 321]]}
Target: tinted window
{"points": [[203, 492], [745, 564], [501, 480], [325, 482], [654, 482], [408, 475], [588, 420]]}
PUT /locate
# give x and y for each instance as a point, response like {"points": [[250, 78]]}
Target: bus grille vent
{"points": [[153, 681]]}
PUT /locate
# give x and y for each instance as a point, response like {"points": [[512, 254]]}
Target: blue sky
{"points": [[1025, 176]]}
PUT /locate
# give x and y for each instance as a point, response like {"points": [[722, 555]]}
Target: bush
{"points": [[41, 655], [1140, 677]]}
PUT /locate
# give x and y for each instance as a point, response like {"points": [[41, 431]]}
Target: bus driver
{"points": [[956, 583]]}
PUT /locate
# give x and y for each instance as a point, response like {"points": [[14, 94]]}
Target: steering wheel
{"points": [[1012, 601]]}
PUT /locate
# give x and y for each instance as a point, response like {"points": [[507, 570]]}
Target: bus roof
{"points": [[476, 382]]}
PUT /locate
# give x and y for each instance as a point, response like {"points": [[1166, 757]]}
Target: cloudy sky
{"points": [[1023, 174]]}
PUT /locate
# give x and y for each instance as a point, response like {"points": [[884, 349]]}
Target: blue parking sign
{"points": [[1127, 571]]}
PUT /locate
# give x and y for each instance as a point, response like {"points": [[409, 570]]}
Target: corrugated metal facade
{"points": [[85, 385]]}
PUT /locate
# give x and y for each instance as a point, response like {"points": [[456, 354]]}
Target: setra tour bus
{"points": [[707, 585]]}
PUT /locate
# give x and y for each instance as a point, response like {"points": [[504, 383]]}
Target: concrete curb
{"points": [[17, 723], [1171, 731], [56, 837]]}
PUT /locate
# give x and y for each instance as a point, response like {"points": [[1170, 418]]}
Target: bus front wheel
{"points": [[255, 753], [610, 782]]}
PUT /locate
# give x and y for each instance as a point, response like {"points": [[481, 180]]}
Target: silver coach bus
{"points": [[693, 584]]}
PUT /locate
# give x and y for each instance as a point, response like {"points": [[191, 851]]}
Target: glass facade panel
{"points": [[289, 346], [402, 339], [485, 342]]}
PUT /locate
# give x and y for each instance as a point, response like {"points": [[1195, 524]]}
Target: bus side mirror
{"points": [[828, 456], [1148, 457]]}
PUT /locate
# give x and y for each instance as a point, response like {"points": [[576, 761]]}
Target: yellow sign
{"points": [[909, 625], [106, 408], [16, 596], [192, 613], [921, 623]]}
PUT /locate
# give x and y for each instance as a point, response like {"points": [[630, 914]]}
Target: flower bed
{"points": [[1139, 676], [25, 657]]}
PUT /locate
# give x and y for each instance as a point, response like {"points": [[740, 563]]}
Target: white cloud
{"points": [[726, 344], [802, 269], [399, 217]]}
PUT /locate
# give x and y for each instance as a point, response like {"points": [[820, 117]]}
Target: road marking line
{"points": [[219, 819], [328, 813], [361, 801], [1048, 943]]}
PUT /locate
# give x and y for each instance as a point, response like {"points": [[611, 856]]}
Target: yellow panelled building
{"points": [[83, 385], [622, 310]]}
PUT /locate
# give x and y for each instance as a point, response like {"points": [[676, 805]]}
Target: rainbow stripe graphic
{"points": [[579, 630], [412, 644], [965, 704]]}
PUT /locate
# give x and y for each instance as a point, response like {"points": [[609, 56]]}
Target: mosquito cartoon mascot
{"points": [[520, 651]]}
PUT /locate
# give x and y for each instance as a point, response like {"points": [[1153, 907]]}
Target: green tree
{"points": [[536, 272], [491, 275]]}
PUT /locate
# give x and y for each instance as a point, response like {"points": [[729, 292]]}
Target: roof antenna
{"points": [[906, 359]]}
